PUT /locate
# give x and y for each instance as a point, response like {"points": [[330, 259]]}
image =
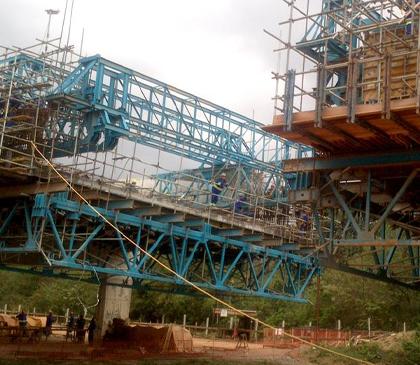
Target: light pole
{"points": [[50, 12]]}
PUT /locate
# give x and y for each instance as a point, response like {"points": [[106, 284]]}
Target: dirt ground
{"points": [[205, 351], [226, 350]]}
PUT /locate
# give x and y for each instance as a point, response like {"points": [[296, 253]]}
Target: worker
{"points": [[217, 188], [235, 332], [269, 194], [80, 329], [415, 6], [304, 225], [240, 204], [23, 322], [91, 330], [70, 326], [48, 325]]}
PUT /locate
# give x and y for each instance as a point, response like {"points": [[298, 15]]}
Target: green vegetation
{"points": [[342, 296], [44, 294], [403, 352]]}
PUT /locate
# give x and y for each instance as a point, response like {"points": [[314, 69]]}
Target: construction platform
{"points": [[348, 86], [371, 131]]}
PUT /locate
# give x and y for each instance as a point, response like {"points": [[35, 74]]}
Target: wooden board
{"points": [[371, 131], [403, 61]]}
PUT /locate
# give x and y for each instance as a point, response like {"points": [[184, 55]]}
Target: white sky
{"points": [[215, 49]]}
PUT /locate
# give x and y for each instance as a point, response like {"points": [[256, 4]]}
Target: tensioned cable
{"points": [[186, 281]]}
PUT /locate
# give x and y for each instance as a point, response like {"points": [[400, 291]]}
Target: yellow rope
{"points": [[184, 279]]}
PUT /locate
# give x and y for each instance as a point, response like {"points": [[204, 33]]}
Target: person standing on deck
{"points": [[217, 188]]}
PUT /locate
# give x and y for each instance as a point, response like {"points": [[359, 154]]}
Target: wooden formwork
{"points": [[396, 70]]}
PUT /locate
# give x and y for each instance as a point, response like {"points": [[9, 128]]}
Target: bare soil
{"points": [[205, 351]]}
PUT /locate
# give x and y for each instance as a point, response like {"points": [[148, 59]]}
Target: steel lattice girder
{"points": [[119, 102], [373, 236], [74, 237]]}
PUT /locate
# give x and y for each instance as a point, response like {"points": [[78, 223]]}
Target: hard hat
{"points": [[222, 174]]}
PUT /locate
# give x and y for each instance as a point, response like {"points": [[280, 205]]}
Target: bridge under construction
{"points": [[333, 182]]}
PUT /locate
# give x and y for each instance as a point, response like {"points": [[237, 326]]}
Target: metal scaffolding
{"points": [[343, 53], [350, 74]]}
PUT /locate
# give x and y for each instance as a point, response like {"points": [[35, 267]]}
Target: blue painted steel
{"points": [[270, 273], [116, 102]]}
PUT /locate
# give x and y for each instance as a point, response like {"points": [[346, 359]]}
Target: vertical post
{"points": [[404, 328], [6, 112], [339, 328], [231, 323], [67, 314], [207, 326], [310, 324], [369, 327], [288, 98], [5, 309], [163, 319], [320, 95], [317, 305], [34, 311], [332, 228], [184, 320], [386, 109], [368, 197], [283, 323], [19, 308], [256, 330], [418, 70]]}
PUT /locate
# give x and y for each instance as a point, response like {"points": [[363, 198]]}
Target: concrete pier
{"points": [[114, 302]]}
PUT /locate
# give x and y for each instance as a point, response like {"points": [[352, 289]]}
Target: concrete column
{"points": [[114, 302]]}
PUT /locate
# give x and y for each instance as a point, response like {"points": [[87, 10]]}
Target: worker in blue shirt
{"points": [[217, 188], [240, 204]]}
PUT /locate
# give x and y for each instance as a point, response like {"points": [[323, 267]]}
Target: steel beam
{"points": [[337, 163]]}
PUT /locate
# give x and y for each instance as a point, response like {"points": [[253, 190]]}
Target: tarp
{"points": [[153, 339], [8, 321], [12, 321]]}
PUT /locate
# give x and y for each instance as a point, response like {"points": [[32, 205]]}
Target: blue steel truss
{"points": [[115, 102], [73, 236]]}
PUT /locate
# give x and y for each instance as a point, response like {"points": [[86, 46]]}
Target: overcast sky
{"points": [[215, 49]]}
